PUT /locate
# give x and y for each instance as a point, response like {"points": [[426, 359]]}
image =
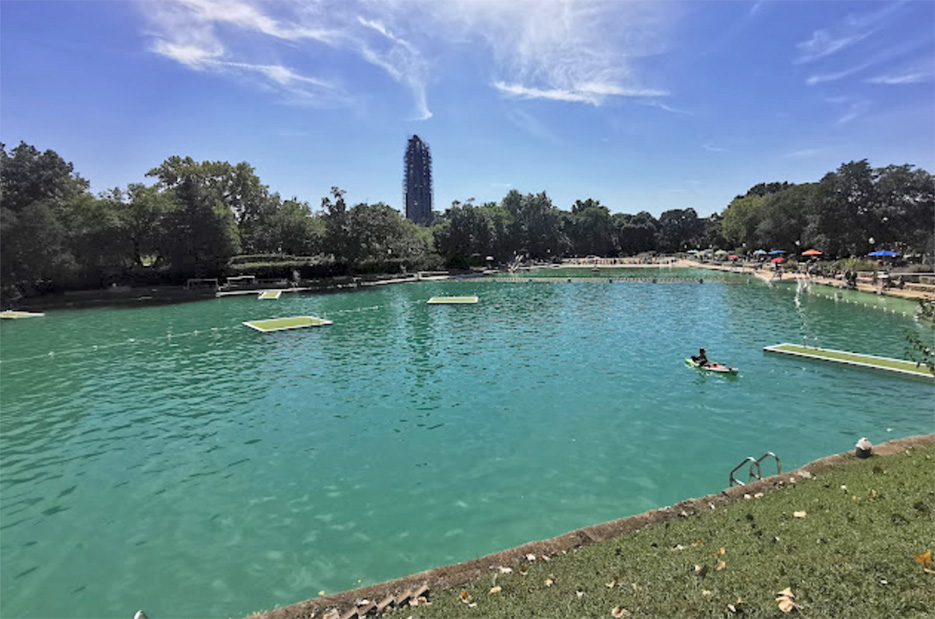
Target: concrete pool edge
{"points": [[451, 575]]}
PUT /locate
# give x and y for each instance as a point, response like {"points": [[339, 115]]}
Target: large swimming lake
{"points": [[170, 459]]}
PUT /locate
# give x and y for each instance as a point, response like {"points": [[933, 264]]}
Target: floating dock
{"points": [[452, 300], [14, 314], [282, 324], [899, 366], [270, 294]]}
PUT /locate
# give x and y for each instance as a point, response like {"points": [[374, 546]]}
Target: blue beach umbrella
{"points": [[759, 252], [884, 253], [776, 252]]}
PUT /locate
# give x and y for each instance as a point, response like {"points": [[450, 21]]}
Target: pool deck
{"points": [[767, 275], [872, 362]]}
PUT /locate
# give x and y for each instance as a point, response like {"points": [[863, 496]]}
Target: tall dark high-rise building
{"points": [[418, 182]]}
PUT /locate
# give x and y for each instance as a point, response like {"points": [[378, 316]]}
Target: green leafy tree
{"points": [[592, 229], [535, 225], [635, 233], [338, 239], [201, 233], [903, 214], [842, 209], [741, 219], [784, 218], [679, 230], [37, 192]]}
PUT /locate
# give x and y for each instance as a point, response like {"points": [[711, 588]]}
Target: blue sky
{"points": [[643, 105]]}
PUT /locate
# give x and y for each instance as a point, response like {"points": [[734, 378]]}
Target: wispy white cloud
{"points": [[581, 51], [713, 149], [854, 29], [229, 36], [914, 73], [532, 125], [806, 153], [881, 56], [593, 94], [667, 108], [854, 110]]}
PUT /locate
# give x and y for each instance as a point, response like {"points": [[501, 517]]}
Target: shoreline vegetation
{"points": [[848, 536], [216, 220]]}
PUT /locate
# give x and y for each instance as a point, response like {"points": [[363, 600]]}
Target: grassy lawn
{"points": [[844, 541], [898, 364]]}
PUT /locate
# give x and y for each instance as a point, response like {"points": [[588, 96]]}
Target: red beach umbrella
{"points": [[733, 257], [779, 260]]}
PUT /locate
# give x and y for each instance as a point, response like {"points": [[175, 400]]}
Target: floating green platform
{"points": [[15, 314], [900, 366], [281, 324], [271, 294], [452, 300]]}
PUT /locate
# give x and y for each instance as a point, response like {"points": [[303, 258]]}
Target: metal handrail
{"points": [[753, 463], [775, 457]]}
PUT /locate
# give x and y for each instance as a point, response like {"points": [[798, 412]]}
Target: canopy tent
{"points": [[776, 252], [811, 252], [884, 253]]}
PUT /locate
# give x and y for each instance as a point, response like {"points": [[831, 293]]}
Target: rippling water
{"points": [[170, 459]]}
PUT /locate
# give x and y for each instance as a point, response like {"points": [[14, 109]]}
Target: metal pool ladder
{"points": [[756, 470]]}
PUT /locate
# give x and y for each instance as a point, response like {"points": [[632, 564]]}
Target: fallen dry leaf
{"points": [[758, 495], [472, 605], [721, 565], [465, 597], [701, 570], [805, 475], [707, 593], [580, 594], [924, 559], [543, 558], [721, 551], [619, 612], [697, 543], [530, 557], [613, 583], [785, 599], [549, 581], [506, 570], [496, 589], [800, 514]]}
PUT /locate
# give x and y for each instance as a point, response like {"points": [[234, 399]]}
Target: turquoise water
{"points": [[221, 471]]}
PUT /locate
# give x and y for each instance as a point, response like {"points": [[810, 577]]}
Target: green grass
{"points": [[280, 324], [452, 300], [852, 555], [837, 355]]}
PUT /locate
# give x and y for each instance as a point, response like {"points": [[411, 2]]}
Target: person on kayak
{"points": [[701, 358]]}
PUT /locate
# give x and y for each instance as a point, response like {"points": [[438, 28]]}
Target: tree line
{"points": [[194, 217]]}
